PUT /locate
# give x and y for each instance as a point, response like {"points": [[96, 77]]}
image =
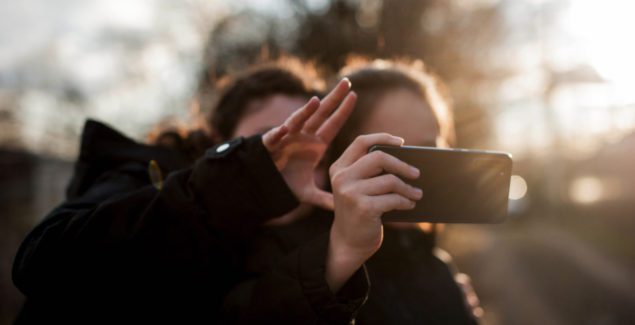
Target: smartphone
{"points": [[459, 185]]}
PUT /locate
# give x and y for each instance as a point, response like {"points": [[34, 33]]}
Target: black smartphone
{"points": [[459, 185]]}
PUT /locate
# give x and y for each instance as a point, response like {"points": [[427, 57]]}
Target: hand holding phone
{"points": [[459, 185], [362, 194]]}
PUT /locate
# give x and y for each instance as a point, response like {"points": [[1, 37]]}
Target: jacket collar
{"points": [[103, 149]]}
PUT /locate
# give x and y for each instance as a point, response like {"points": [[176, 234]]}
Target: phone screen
{"points": [[459, 185]]}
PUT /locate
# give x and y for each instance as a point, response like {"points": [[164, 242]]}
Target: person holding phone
{"points": [[412, 280]]}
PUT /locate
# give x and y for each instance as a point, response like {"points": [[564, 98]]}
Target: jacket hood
{"points": [[103, 149]]}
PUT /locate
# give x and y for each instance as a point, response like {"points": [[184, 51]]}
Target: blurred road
{"points": [[544, 273]]}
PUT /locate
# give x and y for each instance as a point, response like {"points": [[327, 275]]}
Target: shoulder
{"points": [[107, 153]]}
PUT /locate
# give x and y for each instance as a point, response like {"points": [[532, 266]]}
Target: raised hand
{"points": [[298, 145]]}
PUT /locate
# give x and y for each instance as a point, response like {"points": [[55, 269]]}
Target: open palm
{"points": [[298, 145]]}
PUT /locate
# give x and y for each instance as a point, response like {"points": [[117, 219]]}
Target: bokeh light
{"points": [[586, 190], [517, 188]]}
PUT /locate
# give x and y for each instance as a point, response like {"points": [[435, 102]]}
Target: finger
{"points": [[378, 162], [328, 105], [362, 143], [390, 202], [273, 137], [332, 126], [322, 199], [389, 183], [296, 121]]}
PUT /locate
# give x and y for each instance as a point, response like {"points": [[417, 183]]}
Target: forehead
{"points": [[405, 114], [264, 114]]}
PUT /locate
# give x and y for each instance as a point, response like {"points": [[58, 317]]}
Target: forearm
{"points": [[241, 180], [222, 199], [341, 263]]}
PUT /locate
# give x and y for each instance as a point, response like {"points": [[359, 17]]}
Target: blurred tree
{"points": [[454, 39]]}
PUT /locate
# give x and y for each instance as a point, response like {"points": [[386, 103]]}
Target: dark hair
{"points": [[290, 77], [373, 79], [191, 140], [226, 101]]}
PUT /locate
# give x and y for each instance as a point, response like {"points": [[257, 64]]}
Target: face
{"points": [[404, 114], [267, 113]]}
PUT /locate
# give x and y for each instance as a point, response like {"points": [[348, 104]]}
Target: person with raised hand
{"points": [[148, 233]]}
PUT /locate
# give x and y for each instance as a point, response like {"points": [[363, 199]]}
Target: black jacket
{"points": [[409, 283], [122, 249]]}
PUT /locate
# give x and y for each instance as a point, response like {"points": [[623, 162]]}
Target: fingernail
{"points": [[347, 82], [419, 192], [401, 140], [413, 204], [414, 171]]}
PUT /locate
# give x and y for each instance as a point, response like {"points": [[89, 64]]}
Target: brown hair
{"points": [[285, 76], [226, 101], [191, 139], [373, 79]]}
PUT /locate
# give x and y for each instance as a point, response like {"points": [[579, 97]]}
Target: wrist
{"points": [[342, 262], [348, 252]]}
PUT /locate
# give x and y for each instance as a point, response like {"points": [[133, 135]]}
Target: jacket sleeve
{"points": [[295, 291], [199, 214]]}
